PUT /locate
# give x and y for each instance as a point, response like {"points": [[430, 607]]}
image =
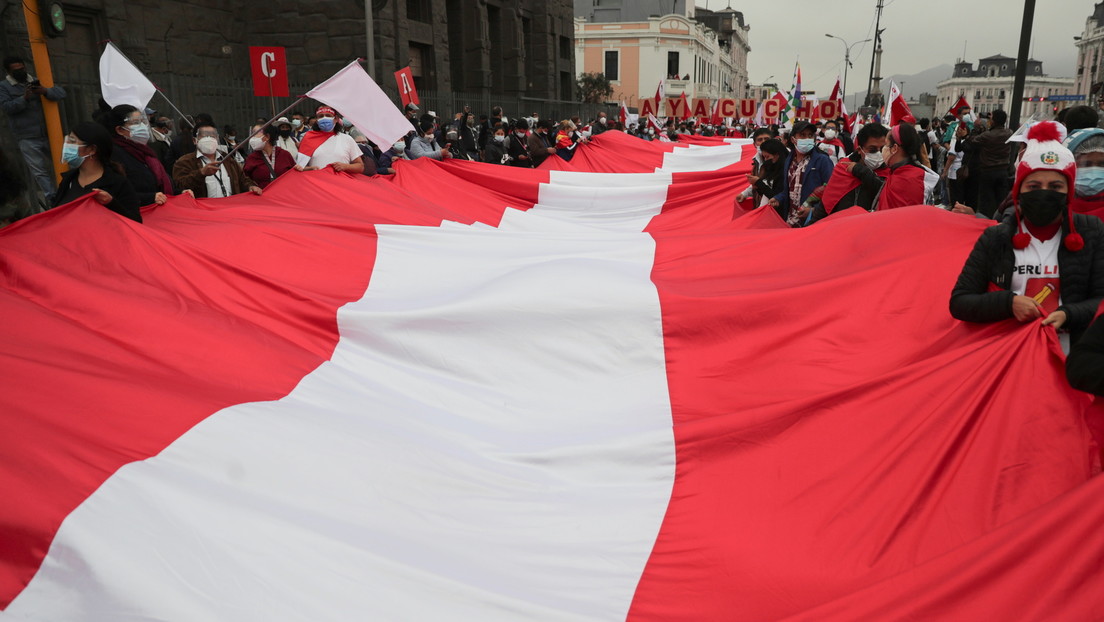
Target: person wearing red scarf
{"points": [[1044, 263], [908, 181], [130, 132]]}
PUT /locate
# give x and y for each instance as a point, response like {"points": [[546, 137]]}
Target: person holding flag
{"points": [[329, 146], [1045, 264], [807, 171], [858, 178]]}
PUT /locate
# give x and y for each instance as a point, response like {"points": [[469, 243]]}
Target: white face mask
{"points": [[256, 143], [207, 145], [873, 160], [498, 138], [399, 146], [829, 134]]}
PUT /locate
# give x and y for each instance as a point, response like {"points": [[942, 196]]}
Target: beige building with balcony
{"points": [[699, 52]]}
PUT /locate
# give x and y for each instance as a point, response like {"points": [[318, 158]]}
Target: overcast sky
{"points": [[919, 34]]}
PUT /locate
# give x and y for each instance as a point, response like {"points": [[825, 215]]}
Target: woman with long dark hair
{"points": [[87, 152], [130, 133]]}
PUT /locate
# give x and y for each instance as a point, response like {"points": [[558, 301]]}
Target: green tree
{"points": [[594, 88]]}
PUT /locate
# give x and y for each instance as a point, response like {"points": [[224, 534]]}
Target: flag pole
{"points": [[242, 143]]}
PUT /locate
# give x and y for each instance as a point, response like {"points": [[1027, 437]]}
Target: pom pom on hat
{"points": [[1044, 132]]}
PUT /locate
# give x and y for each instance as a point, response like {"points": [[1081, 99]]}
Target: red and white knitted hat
{"points": [[1045, 152]]}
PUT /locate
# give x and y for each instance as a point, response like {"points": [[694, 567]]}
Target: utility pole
{"points": [[875, 58], [369, 26], [1021, 64]]}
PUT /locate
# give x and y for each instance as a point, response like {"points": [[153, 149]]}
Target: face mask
{"points": [[399, 146], [231, 138], [326, 124], [1090, 181], [471, 122], [256, 143], [499, 139], [602, 120], [886, 154], [69, 156], [1042, 207], [346, 123], [296, 123], [20, 75], [829, 134], [918, 128], [207, 145], [520, 134], [285, 133], [805, 145], [651, 132], [139, 133], [874, 160], [452, 136], [428, 139]]}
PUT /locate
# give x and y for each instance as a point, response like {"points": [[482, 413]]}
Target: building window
{"points": [[418, 10], [565, 48], [1004, 67], [1002, 94], [673, 65], [611, 65], [964, 70], [977, 95]]}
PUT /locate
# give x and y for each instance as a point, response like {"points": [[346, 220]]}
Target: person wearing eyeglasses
{"points": [[87, 152], [130, 133], [204, 174]]}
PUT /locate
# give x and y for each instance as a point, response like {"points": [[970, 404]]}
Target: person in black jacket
{"points": [[130, 133], [767, 178], [855, 181], [87, 151], [517, 147], [1045, 262], [1085, 365]]}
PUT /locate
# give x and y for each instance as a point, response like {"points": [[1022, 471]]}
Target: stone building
{"points": [[637, 43], [989, 87], [198, 51], [1090, 56]]}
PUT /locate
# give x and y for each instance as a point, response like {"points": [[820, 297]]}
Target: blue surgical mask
{"points": [[70, 156], [805, 145], [326, 124], [1090, 181], [139, 133]]}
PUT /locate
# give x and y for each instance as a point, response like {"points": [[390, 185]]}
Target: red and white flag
{"points": [[660, 94], [358, 98], [475, 392], [897, 109]]}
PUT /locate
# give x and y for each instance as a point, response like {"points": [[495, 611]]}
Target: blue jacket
{"points": [[25, 117], [817, 174]]}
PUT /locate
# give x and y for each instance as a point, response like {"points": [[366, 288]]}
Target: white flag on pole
{"points": [[359, 99], [121, 82]]}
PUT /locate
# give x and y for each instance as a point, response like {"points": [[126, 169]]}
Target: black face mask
{"points": [[1042, 207], [285, 133], [20, 75]]}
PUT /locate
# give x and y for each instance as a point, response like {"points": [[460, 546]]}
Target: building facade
{"points": [[989, 87], [197, 51], [1090, 56], [637, 44]]}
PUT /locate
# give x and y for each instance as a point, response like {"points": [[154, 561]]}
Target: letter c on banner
{"points": [[266, 58], [771, 108]]}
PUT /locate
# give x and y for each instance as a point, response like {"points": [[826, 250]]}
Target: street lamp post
{"points": [[846, 62]]}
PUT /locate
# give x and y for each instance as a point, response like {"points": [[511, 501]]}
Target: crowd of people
{"points": [[1044, 260]]}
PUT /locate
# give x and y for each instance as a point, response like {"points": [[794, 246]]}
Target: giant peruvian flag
{"points": [[472, 392]]}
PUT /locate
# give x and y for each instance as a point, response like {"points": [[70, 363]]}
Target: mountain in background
{"points": [[911, 85]]}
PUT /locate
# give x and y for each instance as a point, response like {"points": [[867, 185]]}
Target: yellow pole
{"points": [[45, 75]]}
